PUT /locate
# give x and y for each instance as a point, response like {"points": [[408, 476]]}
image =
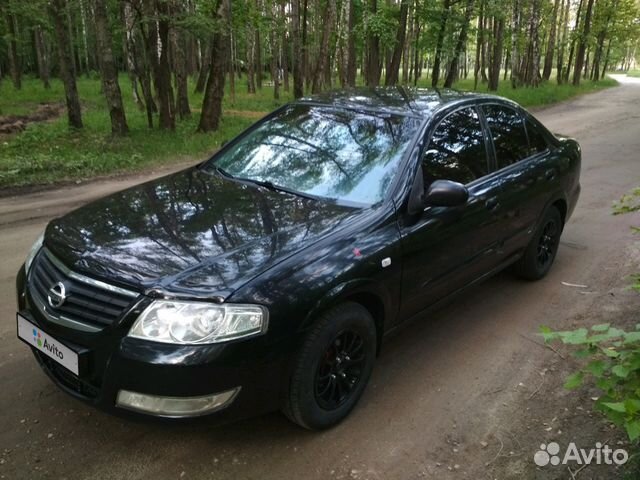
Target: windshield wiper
{"points": [[277, 188], [265, 184], [223, 172]]}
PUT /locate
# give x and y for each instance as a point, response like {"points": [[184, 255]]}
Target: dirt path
{"points": [[453, 390], [17, 123]]}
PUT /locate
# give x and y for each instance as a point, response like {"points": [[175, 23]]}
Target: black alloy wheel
{"points": [[332, 367], [339, 370]]}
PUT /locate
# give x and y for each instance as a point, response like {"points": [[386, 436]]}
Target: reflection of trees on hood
{"points": [[322, 151], [194, 216]]}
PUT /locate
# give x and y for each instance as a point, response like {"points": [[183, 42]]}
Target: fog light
{"points": [[175, 406]]}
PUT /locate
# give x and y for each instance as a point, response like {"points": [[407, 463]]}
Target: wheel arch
{"points": [[368, 294], [561, 205]]}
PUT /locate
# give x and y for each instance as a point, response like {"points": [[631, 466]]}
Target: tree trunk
{"points": [[435, 75], [284, 47], [564, 21], [532, 71], [204, 70], [322, 64], [452, 75], [573, 43], [110, 83], [551, 44], [606, 60], [298, 80], [417, 71], [582, 46], [65, 65], [351, 46], [162, 68], [601, 39], [391, 77], [273, 65], [373, 51], [258, 51], [214, 91], [484, 51], [479, 41], [496, 56], [85, 41], [232, 63], [138, 64], [42, 57], [515, 48], [251, 66], [180, 73], [15, 67], [305, 45]]}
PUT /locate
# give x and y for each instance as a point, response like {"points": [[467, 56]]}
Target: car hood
{"points": [[191, 233]]}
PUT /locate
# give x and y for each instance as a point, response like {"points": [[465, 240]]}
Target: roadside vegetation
{"points": [[48, 151], [609, 357], [128, 83]]}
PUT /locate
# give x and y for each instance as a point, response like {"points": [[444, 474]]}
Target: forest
{"points": [[181, 61]]}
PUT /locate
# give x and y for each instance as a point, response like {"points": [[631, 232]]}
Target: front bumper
{"points": [[251, 370]]}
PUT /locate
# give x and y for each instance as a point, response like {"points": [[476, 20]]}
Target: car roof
{"points": [[400, 100]]}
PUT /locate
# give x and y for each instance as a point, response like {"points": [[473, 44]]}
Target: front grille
{"points": [[89, 305]]}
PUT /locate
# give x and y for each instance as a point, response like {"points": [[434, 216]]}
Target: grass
{"points": [[633, 73], [51, 152], [545, 94]]}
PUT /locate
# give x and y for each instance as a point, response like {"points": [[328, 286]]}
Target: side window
{"points": [[457, 151], [537, 141], [509, 136]]}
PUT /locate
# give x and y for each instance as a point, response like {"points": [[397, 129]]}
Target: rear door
{"points": [[448, 247], [521, 161]]}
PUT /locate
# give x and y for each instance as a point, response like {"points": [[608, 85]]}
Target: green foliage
{"points": [[614, 356], [628, 203], [50, 152], [545, 94], [613, 367], [383, 24]]}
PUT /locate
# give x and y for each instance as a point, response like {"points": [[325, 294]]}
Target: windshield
{"points": [[345, 155]]}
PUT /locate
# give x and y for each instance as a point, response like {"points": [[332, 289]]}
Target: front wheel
{"points": [[543, 247], [332, 368]]}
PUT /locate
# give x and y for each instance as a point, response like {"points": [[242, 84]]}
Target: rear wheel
{"points": [[541, 251], [332, 368]]}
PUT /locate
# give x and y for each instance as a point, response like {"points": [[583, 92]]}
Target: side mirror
{"points": [[445, 193]]}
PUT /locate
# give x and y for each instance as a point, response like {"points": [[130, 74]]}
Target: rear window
{"points": [[537, 140], [509, 136]]}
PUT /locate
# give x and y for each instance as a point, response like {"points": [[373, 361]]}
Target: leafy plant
{"points": [[614, 355], [614, 367]]}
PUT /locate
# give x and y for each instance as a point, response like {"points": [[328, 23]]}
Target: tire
{"points": [[332, 367], [543, 247]]}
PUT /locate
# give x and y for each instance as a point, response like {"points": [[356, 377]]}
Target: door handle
{"points": [[550, 174], [492, 204]]}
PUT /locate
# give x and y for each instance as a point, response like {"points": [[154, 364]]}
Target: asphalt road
{"points": [[448, 375]]}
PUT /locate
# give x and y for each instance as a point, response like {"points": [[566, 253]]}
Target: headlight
{"points": [[187, 323], [35, 248]]}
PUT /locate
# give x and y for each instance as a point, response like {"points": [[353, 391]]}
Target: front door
{"points": [[448, 247]]}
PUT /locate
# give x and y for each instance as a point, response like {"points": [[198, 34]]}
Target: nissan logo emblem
{"points": [[57, 295]]}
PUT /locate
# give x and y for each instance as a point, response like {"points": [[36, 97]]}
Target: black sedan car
{"points": [[268, 276]]}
